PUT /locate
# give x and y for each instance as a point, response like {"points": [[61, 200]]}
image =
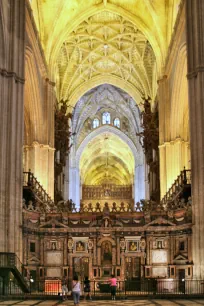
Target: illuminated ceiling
{"points": [[107, 159], [106, 44], [121, 42]]}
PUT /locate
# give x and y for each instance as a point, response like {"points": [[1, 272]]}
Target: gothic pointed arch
{"points": [[179, 114]]}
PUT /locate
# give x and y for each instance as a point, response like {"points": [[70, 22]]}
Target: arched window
{"points": [[116, 122], [106, 118], [95, 123]]}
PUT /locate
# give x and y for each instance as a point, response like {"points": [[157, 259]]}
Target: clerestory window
{"points": [[106, 118], [116, 122], [95, 123]]}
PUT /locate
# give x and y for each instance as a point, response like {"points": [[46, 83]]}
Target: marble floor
{"points": [[147, 302]]}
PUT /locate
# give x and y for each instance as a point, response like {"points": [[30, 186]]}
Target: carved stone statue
{"points": [[106, 209]]}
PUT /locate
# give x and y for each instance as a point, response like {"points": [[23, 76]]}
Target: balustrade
{"points": [[30, 181], [183, 179]]}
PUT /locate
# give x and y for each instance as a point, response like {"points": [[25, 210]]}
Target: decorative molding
{"points": [[173, 142], [194, 73], [50, 82], [10, 74], [40, 145]]}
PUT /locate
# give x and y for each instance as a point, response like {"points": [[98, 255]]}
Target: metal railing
{"points": [[184, 178], [10, 260], [102, 289], [30, 181]]}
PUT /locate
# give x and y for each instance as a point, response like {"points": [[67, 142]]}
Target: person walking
{"points": [[76, 289], [113, 286], [87, 288]]}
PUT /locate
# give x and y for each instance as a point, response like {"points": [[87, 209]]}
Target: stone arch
{"points": [[104, 129], [105, 79], [106, 239]]}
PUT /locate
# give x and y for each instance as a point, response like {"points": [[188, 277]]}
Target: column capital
{"points": [[10, 74], [162, 79]]}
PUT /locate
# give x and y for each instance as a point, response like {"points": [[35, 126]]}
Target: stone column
{"points": [[66, 179], [195, 57], [90, 264], [25, 249], [139, 192], [50, 111], [40, 160], [94, 252], [70, 274], [74, 186], [114, 256], [163, 94], [98, 255], [122, 254], [65, 251], [42, 251], [118, 251], [12, 58]]}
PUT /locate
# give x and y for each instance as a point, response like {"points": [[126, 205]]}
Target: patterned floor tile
{"points": [[27, 303], [5, 303], [153, 302]]}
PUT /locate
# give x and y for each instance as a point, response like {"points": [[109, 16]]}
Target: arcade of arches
{"points": [[98, 103]]}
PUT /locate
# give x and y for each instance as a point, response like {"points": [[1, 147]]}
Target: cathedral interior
{"points": [[102, 139]]}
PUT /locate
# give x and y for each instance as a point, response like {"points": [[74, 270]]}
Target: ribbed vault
{"points": [[106, 44]]}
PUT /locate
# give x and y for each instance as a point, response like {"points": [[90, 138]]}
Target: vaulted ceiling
{"points": [[107, 159], [121, 42], [106, 44]]}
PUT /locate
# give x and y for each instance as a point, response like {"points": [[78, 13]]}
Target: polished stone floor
{"points": [[153, 302]]}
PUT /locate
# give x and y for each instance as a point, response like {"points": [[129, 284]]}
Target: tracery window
{"points": [[116, 122], [106, 118], [95, 123]]}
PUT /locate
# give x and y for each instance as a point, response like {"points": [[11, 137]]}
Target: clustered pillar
{"points": [[195, 56]]}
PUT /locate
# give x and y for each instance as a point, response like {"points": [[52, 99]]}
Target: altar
{"points": [[53, 286]]}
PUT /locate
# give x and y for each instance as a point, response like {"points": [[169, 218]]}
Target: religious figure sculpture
{"points": [[98, 207], [106, 209], [54, 247], [114, 208]]}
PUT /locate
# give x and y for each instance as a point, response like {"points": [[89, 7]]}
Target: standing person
{"points": [[64, 288], [87, 288], [113, 285], [76, 289]]}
